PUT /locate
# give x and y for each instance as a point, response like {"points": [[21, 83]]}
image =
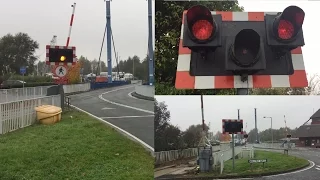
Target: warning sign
{"points": [[61, 71]]}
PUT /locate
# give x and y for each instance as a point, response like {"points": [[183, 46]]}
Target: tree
{"points": [[314, 85], [161, 123], [85, 65], [42, 68], [168, 17], [192, 136], [225, 137], [16, 51], [134, 66]]}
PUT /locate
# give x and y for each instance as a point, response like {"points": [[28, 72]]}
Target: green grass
{"points": [[78, 147], [277, 163]]}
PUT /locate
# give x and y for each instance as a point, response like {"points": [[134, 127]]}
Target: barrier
{"points": [[98, 85], [72, 88], [167, 156], [20, 114], [145, 90]]}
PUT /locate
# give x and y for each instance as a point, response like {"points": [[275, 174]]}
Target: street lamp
{"points": [[271, 129]]}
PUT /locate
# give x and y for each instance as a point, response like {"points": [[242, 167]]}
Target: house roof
{"points": [[308, 131], [316, 115]]}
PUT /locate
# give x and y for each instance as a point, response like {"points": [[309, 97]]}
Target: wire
{"points": [[104, 34], [115, 54]]}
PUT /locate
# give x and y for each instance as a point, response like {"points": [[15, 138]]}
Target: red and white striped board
{"points": [[61, 63], [185, 81], [231, 120]]}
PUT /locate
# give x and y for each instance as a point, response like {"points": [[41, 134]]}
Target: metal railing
{"points": [[17, 94], [20, 114]]}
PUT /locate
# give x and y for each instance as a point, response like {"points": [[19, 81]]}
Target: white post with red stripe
{"points": [[71, 22]]}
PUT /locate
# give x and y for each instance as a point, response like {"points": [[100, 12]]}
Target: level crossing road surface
{"points": [[117, 106]]}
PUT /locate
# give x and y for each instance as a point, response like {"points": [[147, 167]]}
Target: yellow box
{"points": [[48, 114]]}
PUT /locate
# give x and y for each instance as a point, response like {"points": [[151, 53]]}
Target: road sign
{"points": [[232, 126], [61, 55], [196, 70], [61, 71], [23, 70]]}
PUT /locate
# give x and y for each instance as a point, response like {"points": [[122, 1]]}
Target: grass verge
{"points": [[277, 163], [78, 147]]}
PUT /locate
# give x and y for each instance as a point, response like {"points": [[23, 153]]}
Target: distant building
{"points": [[309, 135]]}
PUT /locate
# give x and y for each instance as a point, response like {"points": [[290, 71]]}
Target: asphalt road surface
{"points": [[116, 105]]}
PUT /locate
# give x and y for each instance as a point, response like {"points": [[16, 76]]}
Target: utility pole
{"points": [[108, 17], [256, 128], [150, 45]]}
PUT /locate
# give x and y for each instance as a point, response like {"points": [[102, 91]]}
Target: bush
{"points": [[34, 84], [31, 79]]}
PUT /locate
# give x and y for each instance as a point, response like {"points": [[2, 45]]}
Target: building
{"points": [[309, 135]]}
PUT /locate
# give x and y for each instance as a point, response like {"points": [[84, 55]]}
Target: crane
{"points": [[53, 40]]}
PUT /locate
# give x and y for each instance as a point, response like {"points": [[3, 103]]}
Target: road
{"points": [[116, 106]]}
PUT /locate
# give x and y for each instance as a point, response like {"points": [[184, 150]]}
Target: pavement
{"points": [[117, 106]]}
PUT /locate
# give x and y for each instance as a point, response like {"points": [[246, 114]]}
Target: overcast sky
{"points": [[186, 110], [42, 19], [310, 50]]}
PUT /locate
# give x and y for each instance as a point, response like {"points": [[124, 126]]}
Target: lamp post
{"points": [[271, 129]]}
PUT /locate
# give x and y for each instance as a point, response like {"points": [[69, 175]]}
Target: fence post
{"points": [[1, 121], [62, 96]]}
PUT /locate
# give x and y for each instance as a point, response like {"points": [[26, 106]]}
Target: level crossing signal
{"points": [[224, 48]]}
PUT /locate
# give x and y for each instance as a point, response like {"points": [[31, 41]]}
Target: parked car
{"points": [[11, 84]]}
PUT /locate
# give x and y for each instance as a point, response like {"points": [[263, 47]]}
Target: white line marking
{"points": [[106, 108], [118, 104], [318, 169], [119, 129], [120, 117], [307, 168]]}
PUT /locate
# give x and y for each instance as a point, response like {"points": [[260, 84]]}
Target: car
{"points": [[12, 84]]}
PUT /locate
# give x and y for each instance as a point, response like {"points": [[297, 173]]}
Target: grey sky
{"points": [[42, 19], [186, 110]]}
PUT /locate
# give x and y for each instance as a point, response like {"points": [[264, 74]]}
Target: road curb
{"points": [[165, 177], [121, 131], [139, 96]]}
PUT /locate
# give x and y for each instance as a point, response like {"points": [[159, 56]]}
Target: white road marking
{"points": [[123, 105], [130, 95], [119, 129], [120, 117], [106, 108], [318, 169], [307, 168]]}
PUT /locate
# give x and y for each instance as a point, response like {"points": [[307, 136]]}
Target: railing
{"points": [[167, 156], [274, 145], [20, 114], [17, 94]]}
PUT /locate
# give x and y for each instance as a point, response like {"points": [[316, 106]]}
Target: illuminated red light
{"points": [[285, 30], [202, 29]]}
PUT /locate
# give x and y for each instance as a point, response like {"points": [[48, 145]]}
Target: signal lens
{"points": [[62, 58], [202, 29], [285, 30]]}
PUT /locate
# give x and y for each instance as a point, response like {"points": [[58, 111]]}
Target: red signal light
{"points": [[202, 29], [285, 30], [200, 23], [289, 23]]}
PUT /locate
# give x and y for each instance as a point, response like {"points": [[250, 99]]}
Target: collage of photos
{"points": [[159, 89]]}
